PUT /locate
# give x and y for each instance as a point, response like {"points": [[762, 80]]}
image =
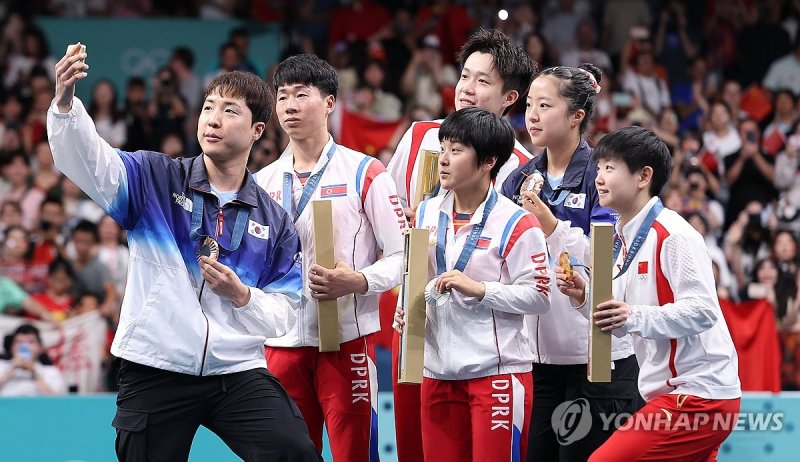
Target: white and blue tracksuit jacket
{"points": [[160, 202]]}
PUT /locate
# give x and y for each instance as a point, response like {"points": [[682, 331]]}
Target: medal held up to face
{"points": [[532, 183], [208, 248]]}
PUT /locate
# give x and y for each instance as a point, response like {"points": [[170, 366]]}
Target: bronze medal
{"points": [[209, 248], [532, 183]]}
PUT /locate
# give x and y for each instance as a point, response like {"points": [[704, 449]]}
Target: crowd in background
{"points": [[717, 80]]}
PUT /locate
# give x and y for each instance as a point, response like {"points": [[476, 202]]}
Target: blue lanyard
{"points": [[641, 235], [308, 189], [547, 192], [198, 206], [472, 240]]}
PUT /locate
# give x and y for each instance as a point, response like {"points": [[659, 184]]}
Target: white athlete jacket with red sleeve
{"points": [[470, 338], [367, 220], [404, 167], [680, 337]]}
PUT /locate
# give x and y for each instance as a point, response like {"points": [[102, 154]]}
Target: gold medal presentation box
{"points": [[602, 263], [410, 359], [327, 310]]}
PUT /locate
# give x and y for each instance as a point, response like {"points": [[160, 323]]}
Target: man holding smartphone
{"points": [[750, 173]]}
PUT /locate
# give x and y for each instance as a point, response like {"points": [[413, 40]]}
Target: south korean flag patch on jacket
{"points": [[258, 230]]}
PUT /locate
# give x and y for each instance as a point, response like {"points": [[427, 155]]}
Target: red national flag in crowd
{"points": [[773, 141], [709, 159], [752, 327], [364, 134]]}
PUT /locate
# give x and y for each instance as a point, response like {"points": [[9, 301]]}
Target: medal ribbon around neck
{"points": [[308, 189], [641, 236], [472, 240]]}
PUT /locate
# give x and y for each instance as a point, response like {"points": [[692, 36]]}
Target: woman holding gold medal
{"points": [[558, 187]]}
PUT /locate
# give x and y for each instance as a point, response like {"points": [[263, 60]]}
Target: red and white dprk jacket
{"points": [[368, 220], [681, 341], [470, 338], [404, 167]]}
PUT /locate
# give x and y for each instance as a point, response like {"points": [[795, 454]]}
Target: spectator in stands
{"points": [[168, 109], [58, 296], [784, 254], [182, 64], [690, 98], [585, 50], [449, 21], [26, 370], [781, 121], [721, 139], [427, 75], [764, 280], [785, 72], [696, 199], [538, 48], [46, 176], [643, 82], [559, 28], [370, 99], [357, 20], [48, 241], [32, 52], [112, 253], [619, 18], [787, 181], [15, 169], [732, 96], [746, 242], [34, 129], [229, 60], [91, 275], [667, 128], [15, 251], [264, 153], [172, 145], [750, 173], [105, 112], [10, 215], [240, 38], [138, 123], [675, 40]]}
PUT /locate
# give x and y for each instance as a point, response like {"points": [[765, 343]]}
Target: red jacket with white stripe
{"points": [[368, 221], [470, 338], [404, 167], [679, 335]]}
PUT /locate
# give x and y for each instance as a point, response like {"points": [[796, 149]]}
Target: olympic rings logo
{"points": [[138, 62]]}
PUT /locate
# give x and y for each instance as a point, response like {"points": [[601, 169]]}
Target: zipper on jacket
{"points": [[538, 348], [217, 234], [497, 344]]}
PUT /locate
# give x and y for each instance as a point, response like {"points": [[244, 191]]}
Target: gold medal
{"points": [[209, 248]]}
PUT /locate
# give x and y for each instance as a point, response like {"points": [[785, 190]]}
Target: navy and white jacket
{"points": [[562, 335], [162, 323]]}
